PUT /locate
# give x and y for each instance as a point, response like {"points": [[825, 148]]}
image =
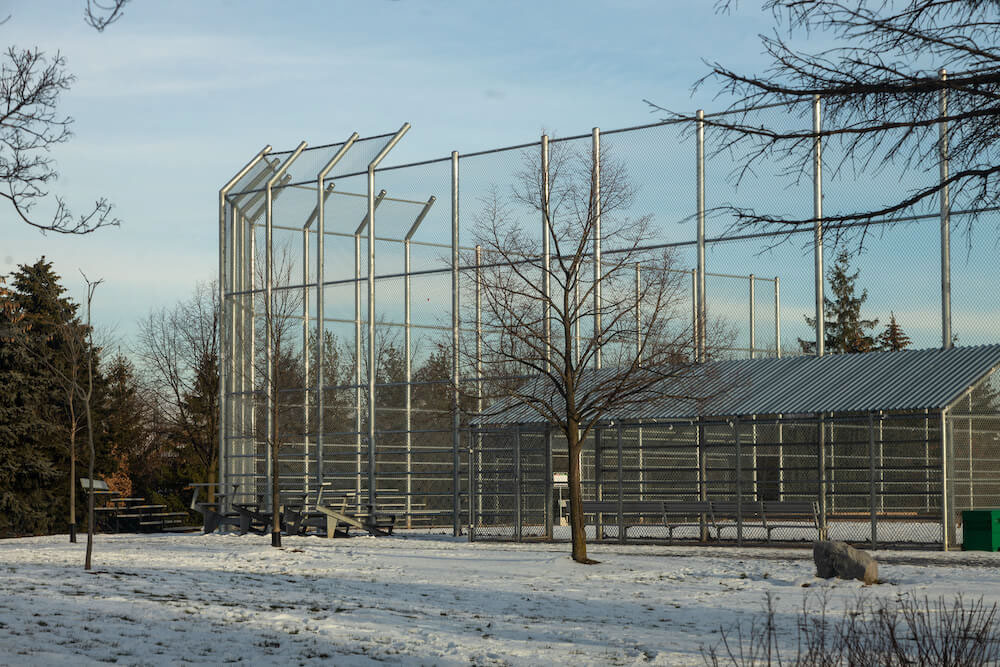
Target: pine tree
{"points": [[35, 423], [893, 338], [845, 331], [126, 424]]}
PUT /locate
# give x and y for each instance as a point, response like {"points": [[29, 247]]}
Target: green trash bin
{"points": [[981, 530]]}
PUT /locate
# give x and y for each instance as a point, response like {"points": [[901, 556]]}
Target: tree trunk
{"points": [[90, 496], [275, 488], [213, 471], [72, 478], [577, 526]]}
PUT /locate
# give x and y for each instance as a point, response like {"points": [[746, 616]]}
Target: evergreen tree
{"points": [[845, 331], [126, 424], [893, 338], [28, 467], [201, 427], [37, 356]]}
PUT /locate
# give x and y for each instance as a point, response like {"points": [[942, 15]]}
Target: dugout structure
{"points": [[892, 446]]}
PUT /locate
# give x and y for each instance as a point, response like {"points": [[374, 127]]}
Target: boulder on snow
{"points": [[838, 559]]}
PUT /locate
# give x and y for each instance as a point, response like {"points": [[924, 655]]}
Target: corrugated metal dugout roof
{"points": [[906, 380]]}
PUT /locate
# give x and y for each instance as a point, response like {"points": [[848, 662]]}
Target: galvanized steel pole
{"points": [[227, 311], [739, 482], [252, 270], [700, 187], [357, 368], [872, 505], [305, 360], [455, 323], [546, 254], [596, 205], [818, 226], [372, 491], [819, 293], [946, 336], [269, 323], [223, 389], [408, 369], [945, 504], [320, 297], [479, 384]]}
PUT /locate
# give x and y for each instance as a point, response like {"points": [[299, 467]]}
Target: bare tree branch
{"points": [[531, 355], [880, 89], [99, 15]]}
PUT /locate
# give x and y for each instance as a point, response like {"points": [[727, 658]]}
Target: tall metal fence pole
{"points": [[320, 325], [227, 371], [247, 423], [819, 290], [321, 300], [372, 366], [358, 375], [739, 482], [224, 212], [946, 522], [269, 316], [473, 496], [455, 323], [596, 208], [252, 362], [372, 361], [479, 364], [700, 187], [821, 471], [408, 370], [621, 487], [700, 445], [598, 271], [549, 522], [546, 252], [305, 359], [946, 336], [517, 484], [638, 359], [818, 225], [872, 503]]}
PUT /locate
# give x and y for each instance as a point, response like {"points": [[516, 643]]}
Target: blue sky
{"points": [[173, 99]]}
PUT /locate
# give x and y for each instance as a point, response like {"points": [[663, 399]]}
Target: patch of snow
{"points": [[414, 599]]}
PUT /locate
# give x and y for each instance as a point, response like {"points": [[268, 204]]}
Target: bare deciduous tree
{"points": [[279, 324], [85, 396], [880, 89], [30, 127], [531, 356], [179, 350]]}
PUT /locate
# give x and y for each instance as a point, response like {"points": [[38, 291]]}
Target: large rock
{"points": [[838, 559]]}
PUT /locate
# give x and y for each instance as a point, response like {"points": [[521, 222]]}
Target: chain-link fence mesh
{"points": [[759, 292], [878, 480]]}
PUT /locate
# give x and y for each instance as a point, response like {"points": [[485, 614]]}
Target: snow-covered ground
{"points": [[414, 599]]}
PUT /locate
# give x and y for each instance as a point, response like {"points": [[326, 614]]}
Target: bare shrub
{"points": [[871, 631]]}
